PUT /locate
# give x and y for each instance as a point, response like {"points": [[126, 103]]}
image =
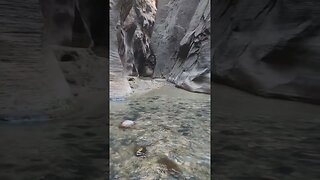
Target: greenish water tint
{"points": [[174, 126]]}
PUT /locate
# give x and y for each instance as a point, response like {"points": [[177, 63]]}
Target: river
{"points": [[173, 125]]}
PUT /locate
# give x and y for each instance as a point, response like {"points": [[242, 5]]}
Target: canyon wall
{"points": [[167, 39], [25, 75], [50, 52], [134, 33], [118, 83], [181, 42], [268, 47]]}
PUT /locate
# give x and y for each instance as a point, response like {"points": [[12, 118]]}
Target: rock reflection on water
{"points": [[173, 125]]}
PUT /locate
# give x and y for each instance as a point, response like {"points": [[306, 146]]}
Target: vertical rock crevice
{"points": [[167, 39], [134, 34]]}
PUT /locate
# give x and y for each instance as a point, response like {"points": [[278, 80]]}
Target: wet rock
{"points": [[171, 166], [126, 124], [131, 79], [140, 151], [134, 115], [126, 141]]}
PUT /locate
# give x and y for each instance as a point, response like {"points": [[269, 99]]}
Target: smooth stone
{"points": [[127, 124]]}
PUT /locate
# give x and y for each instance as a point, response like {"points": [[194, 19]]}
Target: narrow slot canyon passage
{"points": [[159, 98]]}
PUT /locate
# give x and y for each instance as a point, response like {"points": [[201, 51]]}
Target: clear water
{"points": [[171, 123]]}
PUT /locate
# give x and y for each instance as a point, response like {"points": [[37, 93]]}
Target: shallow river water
{"points": [[258, 138], [174, 127], [70, 148]]}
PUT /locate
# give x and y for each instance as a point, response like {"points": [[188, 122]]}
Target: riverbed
{"points": [[173, 124]]}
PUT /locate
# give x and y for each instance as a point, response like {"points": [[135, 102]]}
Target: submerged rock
{"points": [[127, 124], [140, 151], [171, 166]]}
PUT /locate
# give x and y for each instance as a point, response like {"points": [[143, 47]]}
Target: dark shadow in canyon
{"points": [[53, 93]]}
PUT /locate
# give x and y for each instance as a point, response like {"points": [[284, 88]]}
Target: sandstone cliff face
{"points": [[181, 42], [44, 53], [118, 84], [171, 40], [268, 47], [24, 73], [172, 21], [134, 33], [192, 68], [75, 35]]}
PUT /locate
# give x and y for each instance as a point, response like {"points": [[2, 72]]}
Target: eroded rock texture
{"points": [[44, 53], [181, 42], [75, 35], [24, 73], [268, 47], [134, 33], [118, 84]]}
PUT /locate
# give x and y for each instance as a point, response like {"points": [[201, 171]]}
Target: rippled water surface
{"points": [[70, 148], [258, 138], [173, 125]]}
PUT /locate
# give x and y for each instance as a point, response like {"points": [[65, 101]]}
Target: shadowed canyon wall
{"points": [[167, 39], [118, 83], [181, 42], [268, 47], [50, 51], [134, 33]]}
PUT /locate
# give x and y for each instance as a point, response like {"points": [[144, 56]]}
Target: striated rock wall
{"points": [[268, 47], [75, 36], [44, 53], [172, 21], [118, 84], [181, 42], [25, 75]]}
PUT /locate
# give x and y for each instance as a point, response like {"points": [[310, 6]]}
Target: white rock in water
{"points": [[127, 123]]}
